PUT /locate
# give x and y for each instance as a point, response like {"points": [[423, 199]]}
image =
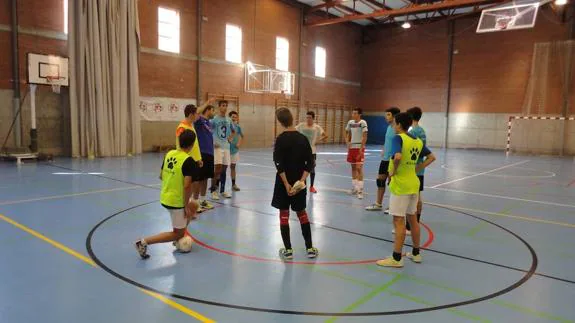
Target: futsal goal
{"points": [[541, 135]]}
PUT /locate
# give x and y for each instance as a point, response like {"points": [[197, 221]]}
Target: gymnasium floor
{"points": [[499, 234]]}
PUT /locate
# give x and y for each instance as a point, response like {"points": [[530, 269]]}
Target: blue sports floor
{"points": [[499, 231]]}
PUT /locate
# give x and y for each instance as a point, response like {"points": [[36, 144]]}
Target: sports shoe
{"points": [[312, 190], [417, 259], [407, 232], [286, 253], [200, 209], [312, 252], [206, 205], [386, 211], [353, 191], [390, 262], [142, 248], [215, 196], [360, 194], [235, 188], [227, 195], [374, 207]]}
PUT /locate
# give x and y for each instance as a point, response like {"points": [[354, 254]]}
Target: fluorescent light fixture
{"points": [[560, 2], [406, 25]]}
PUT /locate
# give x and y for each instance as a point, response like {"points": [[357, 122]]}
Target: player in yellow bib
{"points": [[404, 188], [178, 169]]}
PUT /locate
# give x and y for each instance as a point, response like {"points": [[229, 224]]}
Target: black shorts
{"points": [[207, 171], [282, 201], [420, 182], [383, 167]]}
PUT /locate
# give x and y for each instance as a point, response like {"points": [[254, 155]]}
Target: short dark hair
{"points": [[393, 110], [189, 109], [404, 120], [311, 113], [208, 108], [358, 110], [222, 102], [232, 113], [284, 117], [415, 113], [187, 139]]}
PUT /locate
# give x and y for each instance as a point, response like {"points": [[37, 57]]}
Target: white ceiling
{"points": [[361, 7]]}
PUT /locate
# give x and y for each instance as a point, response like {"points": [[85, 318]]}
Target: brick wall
{"points": [[174, 75]]}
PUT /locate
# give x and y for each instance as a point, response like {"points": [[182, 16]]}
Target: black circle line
{"points": [[342, 230], [520, 282]]}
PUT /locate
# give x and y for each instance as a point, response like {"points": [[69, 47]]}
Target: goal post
{"points": [[545, 135]]}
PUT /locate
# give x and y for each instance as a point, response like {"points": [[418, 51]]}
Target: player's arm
{"points": [[241, 138], [323, 134], [279, 163], [363, 135], [429, 158], [203, 106], [308, 161], [187, 171], [396, 144]]}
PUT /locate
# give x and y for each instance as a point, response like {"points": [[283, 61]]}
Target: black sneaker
{"points": [[142, 248], [286, 253]]}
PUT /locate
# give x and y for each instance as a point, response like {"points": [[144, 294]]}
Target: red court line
{"points": [[428, 243]]}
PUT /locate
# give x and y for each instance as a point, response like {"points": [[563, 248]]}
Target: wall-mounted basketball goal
{"points": [[264, 79], [509, 16]]}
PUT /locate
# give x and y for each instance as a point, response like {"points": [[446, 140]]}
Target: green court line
{"points": [[517, 308], [367, 297]]}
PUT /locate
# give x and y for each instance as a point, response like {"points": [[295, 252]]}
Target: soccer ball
{"points": [[185, 244]]}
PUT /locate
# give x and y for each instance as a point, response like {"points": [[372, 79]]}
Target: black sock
{"points": [[285, 236], [396, 256], [223, 182], [407, 226], [233, 182], [306, 231], [418, 217], [312, 176], [415, 251]]}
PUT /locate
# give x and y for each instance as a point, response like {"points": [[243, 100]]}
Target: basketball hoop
{"points": [[53, 81]]}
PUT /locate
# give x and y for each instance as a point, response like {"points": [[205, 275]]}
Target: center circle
{"points": [[528, 274]]}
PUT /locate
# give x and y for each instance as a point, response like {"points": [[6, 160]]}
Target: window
{"points": [[282, 54], [233, 44], [65, 2], [320, 57], [168, 30]]}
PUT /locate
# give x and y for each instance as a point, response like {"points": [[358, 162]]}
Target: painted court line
{"points": [[90, 262], [479, 174], [54, 197]]}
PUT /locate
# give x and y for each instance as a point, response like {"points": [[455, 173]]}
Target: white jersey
{"points": [[312, 133], [356, 129]]}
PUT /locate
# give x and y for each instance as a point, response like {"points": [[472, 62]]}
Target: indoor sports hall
{"points": [[94, 100]]}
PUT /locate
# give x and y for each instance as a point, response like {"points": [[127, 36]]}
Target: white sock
{"points": [[360, 185], [354, 181]]}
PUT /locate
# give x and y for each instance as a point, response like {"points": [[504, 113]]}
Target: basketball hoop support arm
{"points": [[33, 131], [16, 76]]}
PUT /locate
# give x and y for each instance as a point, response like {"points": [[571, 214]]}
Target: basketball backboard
{"points": [[47, 70], [510, 16], [264, 79]]}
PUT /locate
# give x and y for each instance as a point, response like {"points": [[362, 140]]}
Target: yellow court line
{"points": [[90, 262], [525, 218], [54, 197]]}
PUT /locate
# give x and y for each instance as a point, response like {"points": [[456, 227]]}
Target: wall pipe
{"points": [[199, 19], [16, 76], [450, 34]]}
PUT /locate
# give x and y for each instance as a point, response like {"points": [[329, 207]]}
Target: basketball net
{"points": [[53, 82], [504, 22]]}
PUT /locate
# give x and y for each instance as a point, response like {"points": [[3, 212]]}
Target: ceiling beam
{"points": [[410, 9], [355, 12], [376, 4], [327, 4]]}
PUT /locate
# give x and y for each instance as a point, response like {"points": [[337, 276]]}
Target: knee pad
{"points": [[380, 182], [302, 216], [284, 217]]}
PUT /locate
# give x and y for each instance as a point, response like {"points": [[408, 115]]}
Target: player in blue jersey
{"points": [[222, 131]]}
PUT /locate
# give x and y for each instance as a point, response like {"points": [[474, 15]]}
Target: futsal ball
{"points": [[185, 244]]}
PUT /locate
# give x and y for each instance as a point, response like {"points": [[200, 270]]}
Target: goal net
{"points": [[541, 135]]}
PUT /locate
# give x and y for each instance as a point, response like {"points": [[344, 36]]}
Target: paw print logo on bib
{"points": [[414, 153], [172, 162]]}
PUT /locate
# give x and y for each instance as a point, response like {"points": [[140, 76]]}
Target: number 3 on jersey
{"points": [[223, 131]]}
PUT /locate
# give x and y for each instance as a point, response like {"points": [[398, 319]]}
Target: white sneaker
{"points": [[374, 207], [227, 195], [360, 195], [215, 196]]}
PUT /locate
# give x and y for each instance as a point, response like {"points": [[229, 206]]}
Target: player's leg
{"points": [[226, 159], [312, 175], [415, 229], [360, 161], [218, 160], [179, 224], [281, 202], [351, 160], [235, 158], [380, 182], [398, 207], [298, 205], [419, 205]]}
